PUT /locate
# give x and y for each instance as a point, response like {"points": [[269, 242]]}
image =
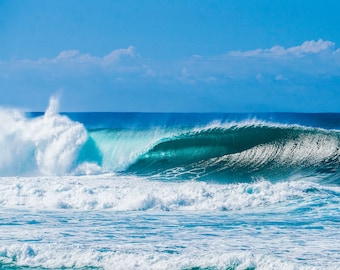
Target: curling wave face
{"points": [[242, 151]]}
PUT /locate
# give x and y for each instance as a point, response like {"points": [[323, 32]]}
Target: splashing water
{"points": [[46, 145]]}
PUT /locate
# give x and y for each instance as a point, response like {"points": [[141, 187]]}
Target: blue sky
{"points": [[187, 56]]}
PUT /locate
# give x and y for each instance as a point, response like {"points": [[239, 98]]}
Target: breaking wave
{"points": [[52, 144], [243, 151]]}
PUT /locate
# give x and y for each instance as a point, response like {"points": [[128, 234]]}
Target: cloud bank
{"points": [[125, 80], [76, 57], [308, 47], [311, 58]]}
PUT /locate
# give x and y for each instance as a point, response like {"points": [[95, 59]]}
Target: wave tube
{"points": [[242, 152]]}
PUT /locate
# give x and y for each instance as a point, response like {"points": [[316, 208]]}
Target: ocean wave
{"points": [[242, 152], [224, 152]]}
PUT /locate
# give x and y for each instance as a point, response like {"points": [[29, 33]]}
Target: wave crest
{"points": [[243, 152], [52, 144]]}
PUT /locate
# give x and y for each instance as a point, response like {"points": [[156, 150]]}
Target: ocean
{"points": [[169, 190]]}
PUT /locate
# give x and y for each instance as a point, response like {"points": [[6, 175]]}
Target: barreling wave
{"points": [[235, 152], [242, 152], [52, 144]]}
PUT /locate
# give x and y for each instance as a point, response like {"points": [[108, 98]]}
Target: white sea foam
{"points": [[73, 257], [45, 145], [132, 193], [216, 256]]}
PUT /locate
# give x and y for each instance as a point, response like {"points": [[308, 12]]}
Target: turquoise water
{"points": [[169, 191]]}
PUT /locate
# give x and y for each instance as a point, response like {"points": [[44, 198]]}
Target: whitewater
{"points": [[169, 190]]}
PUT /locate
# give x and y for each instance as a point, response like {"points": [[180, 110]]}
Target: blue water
{"points": [[169, 191]]}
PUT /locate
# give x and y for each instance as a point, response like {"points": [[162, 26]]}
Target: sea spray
{"points": [[45, 145]]}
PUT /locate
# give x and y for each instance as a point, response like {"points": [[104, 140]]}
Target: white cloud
{"points": [[65, 55], [71, 57], [74, 56], [115, 55], [308, 47], [312, 47], [256, 52], [75, 63], [311, 58]]}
